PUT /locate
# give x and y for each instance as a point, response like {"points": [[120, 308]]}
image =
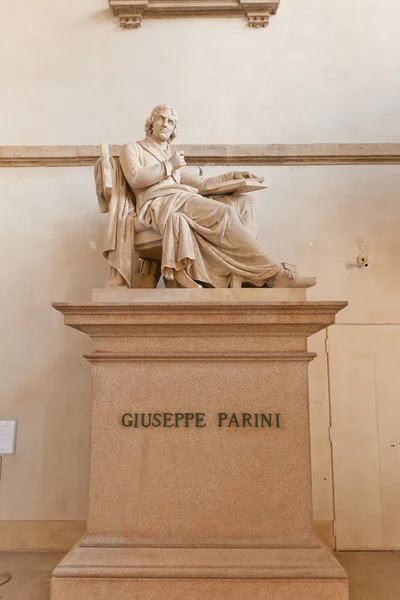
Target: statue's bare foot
{"points": [[289, 279]]}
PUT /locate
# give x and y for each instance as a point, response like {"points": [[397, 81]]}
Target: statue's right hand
{"points": [[177, 160]]}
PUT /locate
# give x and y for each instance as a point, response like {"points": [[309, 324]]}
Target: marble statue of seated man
{"points": [[206, 241]]}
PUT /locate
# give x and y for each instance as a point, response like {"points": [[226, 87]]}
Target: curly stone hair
{"points": [[148, 127]]}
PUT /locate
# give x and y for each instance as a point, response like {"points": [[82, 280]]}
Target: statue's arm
{"points": [[188, 177], [138, 176], [199, 182]]}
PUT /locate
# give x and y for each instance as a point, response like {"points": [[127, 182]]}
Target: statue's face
{"points": [[163, 126]]}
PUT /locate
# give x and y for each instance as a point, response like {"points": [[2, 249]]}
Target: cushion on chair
{"points": [[147, 237]]}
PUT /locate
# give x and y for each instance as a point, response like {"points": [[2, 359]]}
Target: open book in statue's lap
{"points": [[209, 241]]}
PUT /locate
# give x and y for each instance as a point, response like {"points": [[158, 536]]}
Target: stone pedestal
{"points": [[212, 501]]}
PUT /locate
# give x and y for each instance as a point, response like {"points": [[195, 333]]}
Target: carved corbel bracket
{"points": [[132, 12], [130, 21], [258, 20]]}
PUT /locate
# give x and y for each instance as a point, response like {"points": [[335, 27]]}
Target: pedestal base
{"points": [[105, 573], [200, 474]]}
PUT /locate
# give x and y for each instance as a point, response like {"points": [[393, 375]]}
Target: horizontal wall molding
{"points": [[214, 154]]}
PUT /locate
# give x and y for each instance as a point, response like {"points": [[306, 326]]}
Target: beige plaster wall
{"points": [[322, 72], [51, 237], [50, 228]]}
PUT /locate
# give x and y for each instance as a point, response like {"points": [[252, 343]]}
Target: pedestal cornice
{"points": [[175, 318]]}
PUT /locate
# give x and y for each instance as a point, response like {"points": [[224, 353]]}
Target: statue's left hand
{"points": [[242, 175]]}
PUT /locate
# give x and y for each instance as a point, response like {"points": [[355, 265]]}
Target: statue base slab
{"points": [[200, 474], [205, 295], [105, 573]]}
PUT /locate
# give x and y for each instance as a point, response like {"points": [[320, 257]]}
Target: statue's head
{"points": [[162, 125]]}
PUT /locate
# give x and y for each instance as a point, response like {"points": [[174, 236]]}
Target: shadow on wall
{"points": [[101, 16], [78, 265], [52, 253], [47, 478]]}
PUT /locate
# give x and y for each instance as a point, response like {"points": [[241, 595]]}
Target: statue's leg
{"points": [[226, 244], [207, 241], [245, 206]]}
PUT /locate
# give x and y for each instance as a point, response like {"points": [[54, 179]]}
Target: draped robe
{"points": [[205, 240]]}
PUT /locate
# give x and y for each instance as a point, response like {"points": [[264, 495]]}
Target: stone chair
{"points": [[143, 250]]}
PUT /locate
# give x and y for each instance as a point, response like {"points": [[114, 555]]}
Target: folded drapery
{"points": [[119, 239]]}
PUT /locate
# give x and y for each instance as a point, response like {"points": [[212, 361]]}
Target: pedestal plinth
{"points": [[200, 476]]}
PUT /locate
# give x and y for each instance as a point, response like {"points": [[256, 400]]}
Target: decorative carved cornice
{"points": [[214, 154], [132, 12]]}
